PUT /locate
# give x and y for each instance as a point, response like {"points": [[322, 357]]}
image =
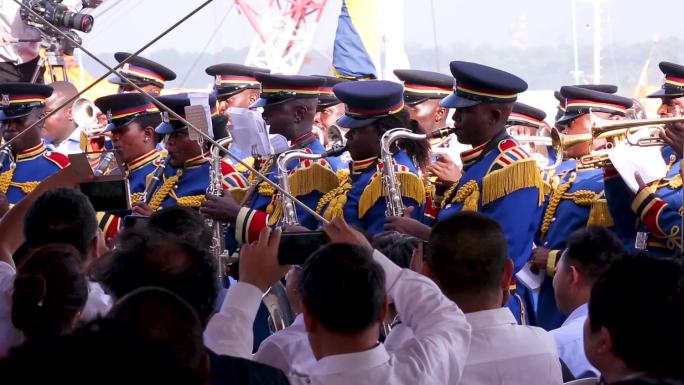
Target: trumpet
{"points": [[612, 128]]}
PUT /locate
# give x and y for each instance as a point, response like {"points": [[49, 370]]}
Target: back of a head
{"points": [[49, 291], [183, 222], [396, 246], [62, 215], [640, 301], [103, 352], [165, 318], [343, 288], [593, 248], [466, 253], [148, 257]]}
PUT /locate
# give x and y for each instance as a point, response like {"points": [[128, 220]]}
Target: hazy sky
{"points": [[131, 23]]}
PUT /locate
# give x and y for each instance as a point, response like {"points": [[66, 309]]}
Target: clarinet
{"points": [[103, 164], [155, 182]]}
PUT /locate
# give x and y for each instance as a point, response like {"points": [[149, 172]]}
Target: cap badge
{"points": [[5, 100]]}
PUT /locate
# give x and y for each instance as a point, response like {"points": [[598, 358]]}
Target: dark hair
{"points": [[148, 120], [62, 215], [49, 291], [343, 288], [165, 318], [396, 246], [594, 248], [148, 257], [640, 300], [416, 149], [467, 252], [105, 351], [184, 223]]}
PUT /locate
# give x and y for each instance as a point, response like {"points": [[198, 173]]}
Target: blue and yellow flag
{"points": [[356, 40]]}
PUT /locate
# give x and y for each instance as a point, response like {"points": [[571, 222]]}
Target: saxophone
{"points": [[217, 248], [391, 186], [289, 209]]}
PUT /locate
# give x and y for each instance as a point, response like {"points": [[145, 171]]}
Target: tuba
{"points": [[217, 248], [289, 209]]}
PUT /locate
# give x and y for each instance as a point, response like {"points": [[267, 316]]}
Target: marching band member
{"points": [[289, 103], [329, 109], [577, 198], [145, 73], [374, 107], [499, 177], [528, 121], [29, 162], [186, 177], [235, 86], [657, 207]]}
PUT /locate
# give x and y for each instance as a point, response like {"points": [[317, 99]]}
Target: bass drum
{"points": [[280, 314]]}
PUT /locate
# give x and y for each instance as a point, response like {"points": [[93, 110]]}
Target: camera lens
{"points": [[78, 21]]}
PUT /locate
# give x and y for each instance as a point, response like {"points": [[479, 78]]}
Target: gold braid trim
{"points": [[6, 180], [554, 200], [517, 176], [242, 169], [446, 199], [336, 198], [190, 200], [136, 197], [469, 195], [164, 191], [410, 186]]}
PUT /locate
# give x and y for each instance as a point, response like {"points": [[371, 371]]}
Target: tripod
{"points": [[53, 60]]}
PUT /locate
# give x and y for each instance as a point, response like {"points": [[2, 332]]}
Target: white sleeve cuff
{"points": [[243, 296], [240, 224], [392, 271]]}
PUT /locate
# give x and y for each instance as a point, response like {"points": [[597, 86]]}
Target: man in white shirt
{"points": [[60, 132], [467, 257], [633, 334], [588, 253], [343, 287]]}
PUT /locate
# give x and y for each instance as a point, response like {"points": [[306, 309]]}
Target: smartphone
{"points": [[108, 195], [296, 247], [135, 221]]}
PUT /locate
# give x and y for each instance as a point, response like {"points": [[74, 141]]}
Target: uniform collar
{"points": [[196, 161], [358, 166], [471, 156], [143, 160], [490, 318], [31, 152], [351, 362]]}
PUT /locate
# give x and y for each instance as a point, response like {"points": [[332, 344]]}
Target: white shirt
{"points": [[570, 341], [10, 21], [436, 354], [98, 303], [287, 349], [70, 145], [503, 352]]}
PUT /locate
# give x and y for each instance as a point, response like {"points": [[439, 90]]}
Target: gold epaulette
{"points": [[516, 176], [239, 167], [312, 176], [411, 186]]}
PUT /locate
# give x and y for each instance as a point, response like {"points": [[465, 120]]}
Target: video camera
{"points": [[59, 15]]}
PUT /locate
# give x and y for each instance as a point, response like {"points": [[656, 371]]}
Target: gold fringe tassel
{"points": [[313, 178], [370, 194], [519, 175], [599, 215]]}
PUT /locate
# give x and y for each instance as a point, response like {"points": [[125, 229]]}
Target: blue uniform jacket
{"points": [[32, 166], [655, 210]]}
